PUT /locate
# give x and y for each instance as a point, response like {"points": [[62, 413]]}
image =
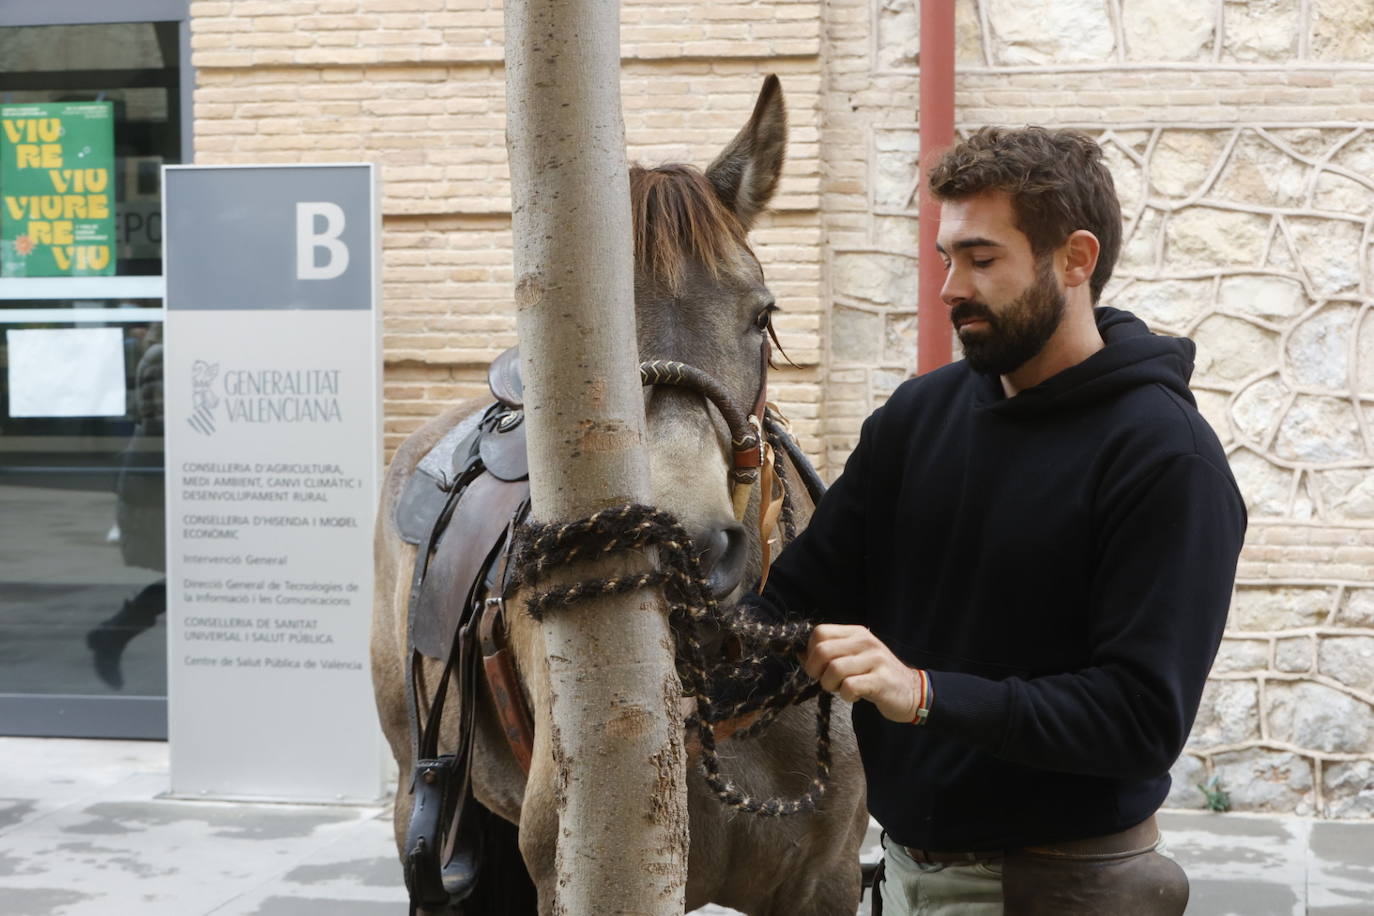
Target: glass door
{"points": [[91, 111]]}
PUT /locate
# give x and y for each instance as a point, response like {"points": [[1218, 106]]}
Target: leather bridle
{"points": [[748, 445], [752, 456]]}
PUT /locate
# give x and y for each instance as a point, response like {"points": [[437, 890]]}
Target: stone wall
{"points": [[1241, 138], [1241, 135], [1252, 240]]}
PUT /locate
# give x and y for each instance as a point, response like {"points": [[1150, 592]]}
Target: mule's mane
{"points": [[678, 219]]}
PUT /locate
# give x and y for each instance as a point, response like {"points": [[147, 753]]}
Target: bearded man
{"points": [[1026, 565]]}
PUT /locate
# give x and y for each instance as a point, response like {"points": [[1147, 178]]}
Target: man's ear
{"points": [[746, 172], [1080, 252]]}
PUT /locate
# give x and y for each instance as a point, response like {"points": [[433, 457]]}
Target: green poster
{"points": [[56, 181]]}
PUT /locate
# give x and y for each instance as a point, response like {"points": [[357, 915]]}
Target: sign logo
{"points": [[262, 396], [203, 400]]}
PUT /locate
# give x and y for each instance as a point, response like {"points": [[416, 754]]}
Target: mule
{"points": [[701, 299]]}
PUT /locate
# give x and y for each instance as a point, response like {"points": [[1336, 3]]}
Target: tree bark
{"points": [[615, 764]]}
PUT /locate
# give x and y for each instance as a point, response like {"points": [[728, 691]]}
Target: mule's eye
{"points": [[765, 317]]}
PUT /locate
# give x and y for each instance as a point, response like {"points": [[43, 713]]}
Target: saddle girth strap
{"points": [[504, 683], [498, 661]]}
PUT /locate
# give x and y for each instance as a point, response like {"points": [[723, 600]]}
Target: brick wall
{"points": [[417, 86]]}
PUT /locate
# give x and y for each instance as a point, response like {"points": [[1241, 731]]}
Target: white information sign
{"points": [[272, 390]]}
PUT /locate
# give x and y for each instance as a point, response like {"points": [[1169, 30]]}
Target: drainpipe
{"points": [[934, 346]]}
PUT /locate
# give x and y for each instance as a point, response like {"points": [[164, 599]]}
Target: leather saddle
{"points": [[495, 437], [459, 507]]}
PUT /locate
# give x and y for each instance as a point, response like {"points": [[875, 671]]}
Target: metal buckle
{"points": [[508, 421]]}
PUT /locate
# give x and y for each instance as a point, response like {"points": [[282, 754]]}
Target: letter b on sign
{"points": [[310, 238]]}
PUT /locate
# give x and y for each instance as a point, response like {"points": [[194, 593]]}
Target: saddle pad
{"points": [[481, 515], [421, 500], [440, 459]]}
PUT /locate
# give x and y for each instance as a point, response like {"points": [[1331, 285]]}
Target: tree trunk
{"points": [[614, 769]]}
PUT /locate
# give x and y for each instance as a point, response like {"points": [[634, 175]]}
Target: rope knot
{"points": [[767, 649]]}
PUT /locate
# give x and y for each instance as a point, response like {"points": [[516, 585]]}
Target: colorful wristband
{"points": [[924, 695]]}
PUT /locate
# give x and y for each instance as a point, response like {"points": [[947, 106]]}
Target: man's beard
{"points": [[1013, 337]]}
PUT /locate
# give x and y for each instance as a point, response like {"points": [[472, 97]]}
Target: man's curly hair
{"points": [[1057, 181]]}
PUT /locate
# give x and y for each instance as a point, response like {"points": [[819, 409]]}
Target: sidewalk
{"points": [[84, 833]]}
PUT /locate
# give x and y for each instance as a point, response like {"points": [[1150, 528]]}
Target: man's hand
{"points": [[853, 663]]}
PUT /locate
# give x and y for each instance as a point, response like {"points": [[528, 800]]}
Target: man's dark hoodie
{"points": [[1061, 562]]}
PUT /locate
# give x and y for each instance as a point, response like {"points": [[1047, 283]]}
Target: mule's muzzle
{"points": [[724, 550]]}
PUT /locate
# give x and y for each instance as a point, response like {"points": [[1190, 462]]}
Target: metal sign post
{"points": [[272, 392]]}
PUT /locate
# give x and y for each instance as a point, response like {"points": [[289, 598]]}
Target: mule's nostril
{"points": [[723, 554]]}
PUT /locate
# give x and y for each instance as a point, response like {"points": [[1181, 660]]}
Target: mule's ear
{"points": [[746, 173]]}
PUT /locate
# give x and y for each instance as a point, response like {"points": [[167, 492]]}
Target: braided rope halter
{"points": [[691, 608]]}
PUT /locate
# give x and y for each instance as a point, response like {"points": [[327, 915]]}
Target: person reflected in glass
{"points": [[140, 510]]}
